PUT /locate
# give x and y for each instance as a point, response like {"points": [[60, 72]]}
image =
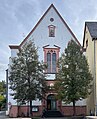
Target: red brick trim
{"points": [[14, 46], [51, 51]]}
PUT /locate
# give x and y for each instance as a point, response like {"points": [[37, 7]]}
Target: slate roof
{"points": [[92, 26]]}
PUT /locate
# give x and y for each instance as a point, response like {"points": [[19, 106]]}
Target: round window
{"points": [[51, 19]]}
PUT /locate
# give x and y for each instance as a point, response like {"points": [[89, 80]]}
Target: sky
{"points": [[18, 17]]}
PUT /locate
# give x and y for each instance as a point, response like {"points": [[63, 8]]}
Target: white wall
{"points": [[41, 33], [41, 38], [78, 103]]}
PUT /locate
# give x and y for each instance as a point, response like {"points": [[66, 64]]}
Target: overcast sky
{"points": [[18, 17]]}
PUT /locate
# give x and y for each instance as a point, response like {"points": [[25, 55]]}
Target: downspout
{"points": [[95, 100], [6, 89]]}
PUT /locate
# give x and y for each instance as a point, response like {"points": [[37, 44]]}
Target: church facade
{"points": [[51, 35]]}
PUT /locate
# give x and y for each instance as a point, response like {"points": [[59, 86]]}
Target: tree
{"points": [[2, 87], [2, 102], [74, 78], [27, 78], [2, 94]]}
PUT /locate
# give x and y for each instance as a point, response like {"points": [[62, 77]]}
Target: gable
{"points": [[40, 33], [92, 26], [45, 21], [89, 33]]}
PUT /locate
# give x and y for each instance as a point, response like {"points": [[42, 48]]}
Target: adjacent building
{"points": [[90, 48], [51, 35]]}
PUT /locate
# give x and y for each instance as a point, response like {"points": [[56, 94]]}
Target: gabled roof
{"points": [[92, 27], [51, 6]]}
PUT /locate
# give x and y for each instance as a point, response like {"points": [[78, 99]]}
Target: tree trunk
{"points": [[31, 109], [28, 108], [74, 108]]}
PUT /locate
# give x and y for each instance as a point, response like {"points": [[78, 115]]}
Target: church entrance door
{"points": [[51, 102]]}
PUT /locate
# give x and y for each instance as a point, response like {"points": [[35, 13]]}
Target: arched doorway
{"points": [[51, 102]]}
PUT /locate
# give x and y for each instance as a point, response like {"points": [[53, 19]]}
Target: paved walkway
{"points": [[88, 117], [42, 118], [51, 118], [2, 116]]}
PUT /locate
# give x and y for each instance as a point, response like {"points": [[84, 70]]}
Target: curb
{"points": [[91, 117], [18, 118], [2, 112]]}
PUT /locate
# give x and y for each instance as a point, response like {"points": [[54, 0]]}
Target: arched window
{"points": [[49, 62], [53, 62], [51, 55]]}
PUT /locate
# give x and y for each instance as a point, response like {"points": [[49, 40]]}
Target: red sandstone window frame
{"points": [[51, 51]]}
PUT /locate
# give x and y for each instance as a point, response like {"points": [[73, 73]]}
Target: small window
{"points": [[51, 19], [49, 62], [86, 43], [51, 31], [35, 108], [54, 62]]}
